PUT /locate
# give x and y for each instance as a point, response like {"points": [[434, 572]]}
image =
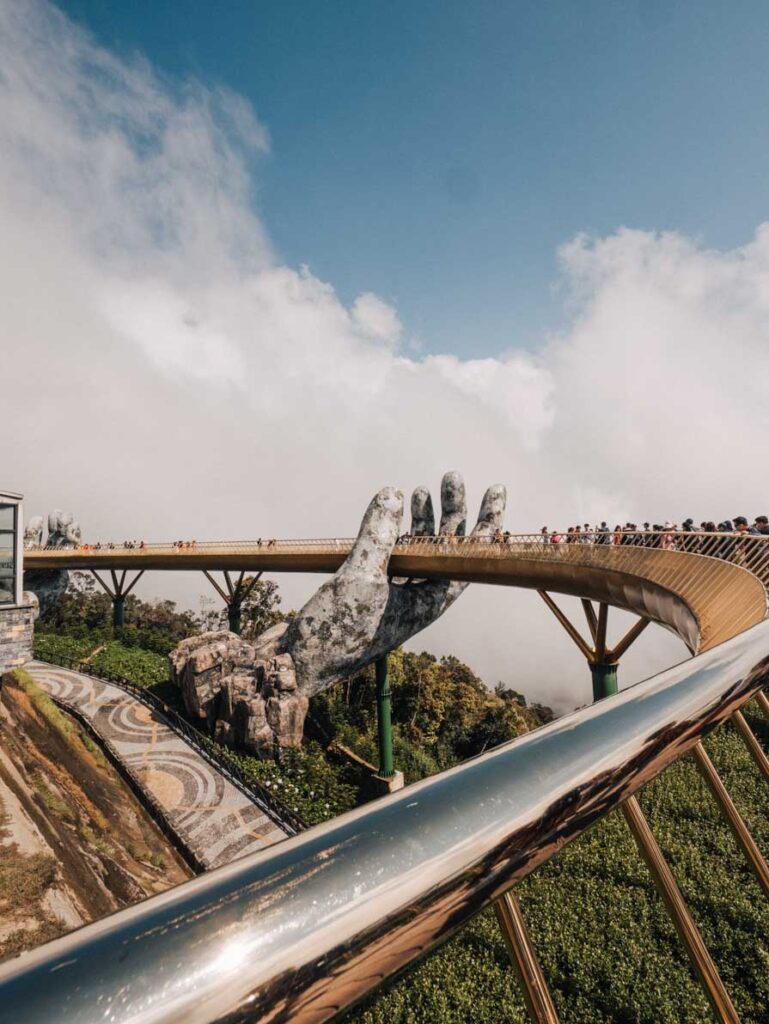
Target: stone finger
{"points": [[492, 513], [453, 504], [422, 514]]}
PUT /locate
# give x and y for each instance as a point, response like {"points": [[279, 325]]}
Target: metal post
{"points": [[732, 816], [604, 679], [118, 612], [233, 616], [384, 722], [666, 885], [539, 1002]]}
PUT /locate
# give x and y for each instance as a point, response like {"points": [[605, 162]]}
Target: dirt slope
{"points": [[75, 844]]}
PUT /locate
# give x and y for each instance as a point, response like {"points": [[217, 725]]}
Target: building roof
{"points": [[10, 496]]}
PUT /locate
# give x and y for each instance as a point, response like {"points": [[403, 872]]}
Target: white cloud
{"points": [[171, 378]]}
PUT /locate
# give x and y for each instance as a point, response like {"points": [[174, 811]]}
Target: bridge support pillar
{"points": [[602, 660], [118, 612], [233, 617], [384, 717], [118, 592], [604, 679], [234, 596]]}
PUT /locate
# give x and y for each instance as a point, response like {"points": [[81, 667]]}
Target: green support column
{"points": [[118, 611], [233, 615], [384, 723], [604, 679]]}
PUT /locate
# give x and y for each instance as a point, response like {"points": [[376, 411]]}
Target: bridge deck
{"points": [[705, 596]]}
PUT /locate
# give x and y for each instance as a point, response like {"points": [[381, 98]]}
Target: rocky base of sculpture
{"points": [[246, 693]]}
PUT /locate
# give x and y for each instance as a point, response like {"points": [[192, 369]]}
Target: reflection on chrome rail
{"points": [[307, 928]]}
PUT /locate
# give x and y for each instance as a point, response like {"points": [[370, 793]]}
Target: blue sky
{"points": [[438, 153]]}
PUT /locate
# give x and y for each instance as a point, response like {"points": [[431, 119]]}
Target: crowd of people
{"points": [[684, 537], [657, 535], [109, 546]]}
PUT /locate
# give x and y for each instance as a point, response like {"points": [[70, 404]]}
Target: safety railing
{"points": [[751, 551], [301, 931], [703, 607], [217, 756]]}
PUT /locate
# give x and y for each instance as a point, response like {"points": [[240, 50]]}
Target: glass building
{"points": [[10, 549]]}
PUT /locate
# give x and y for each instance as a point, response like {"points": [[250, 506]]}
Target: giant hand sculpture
{"points": [[255, 695], [63, 532]]}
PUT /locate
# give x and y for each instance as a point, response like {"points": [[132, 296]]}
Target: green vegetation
{"points": [[442, 713], [604, 939], [64, 649], [305, 781], [43, 703]]}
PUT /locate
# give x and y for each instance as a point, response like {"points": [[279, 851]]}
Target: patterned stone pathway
{"points": [[214, 819]]}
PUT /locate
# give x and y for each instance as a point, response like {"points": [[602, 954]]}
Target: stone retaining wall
{"points": [[15, 636]]}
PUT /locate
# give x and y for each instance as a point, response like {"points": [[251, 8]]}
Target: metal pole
{"points": [[118, 612], [384, 722], [682, 919], [755, 748], [604, 679], [539, 1002], [233, 616], [732, 816]]}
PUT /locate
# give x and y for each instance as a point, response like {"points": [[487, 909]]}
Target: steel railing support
{"points": [[751, 742], [536, 994], [732, 816], [679, 912]]}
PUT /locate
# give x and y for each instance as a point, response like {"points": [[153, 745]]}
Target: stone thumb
{"points": [[377, 535]]}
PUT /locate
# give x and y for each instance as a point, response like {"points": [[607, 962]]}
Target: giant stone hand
{"points": [[63, 532], [361, 613], [257, 695]]}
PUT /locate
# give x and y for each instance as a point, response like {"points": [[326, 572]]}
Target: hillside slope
{"points": [[75, 844]]}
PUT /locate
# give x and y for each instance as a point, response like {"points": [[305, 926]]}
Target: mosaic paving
{"points": [[214, 819]]}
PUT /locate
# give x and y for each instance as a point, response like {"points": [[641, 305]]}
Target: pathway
{"points": [[215, 820]]}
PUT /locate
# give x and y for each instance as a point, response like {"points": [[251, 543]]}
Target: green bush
{"points": [[139, 666], [304, 780], [54, 648]]}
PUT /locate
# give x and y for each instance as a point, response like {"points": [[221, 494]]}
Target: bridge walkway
{"points": [[214, 820]]}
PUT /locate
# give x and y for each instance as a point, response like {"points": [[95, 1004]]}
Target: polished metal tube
{"points": [[306, 928]]}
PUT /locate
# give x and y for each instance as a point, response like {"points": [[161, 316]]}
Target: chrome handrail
{"points": [[305, 929]]}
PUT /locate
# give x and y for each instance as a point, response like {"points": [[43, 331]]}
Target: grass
{"points": [[43, 704], [608, 949]]}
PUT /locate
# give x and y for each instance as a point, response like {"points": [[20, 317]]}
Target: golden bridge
{"points": [[304, 930]]}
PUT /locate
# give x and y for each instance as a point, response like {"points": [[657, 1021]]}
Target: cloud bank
{"points": [[164, 374]]}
